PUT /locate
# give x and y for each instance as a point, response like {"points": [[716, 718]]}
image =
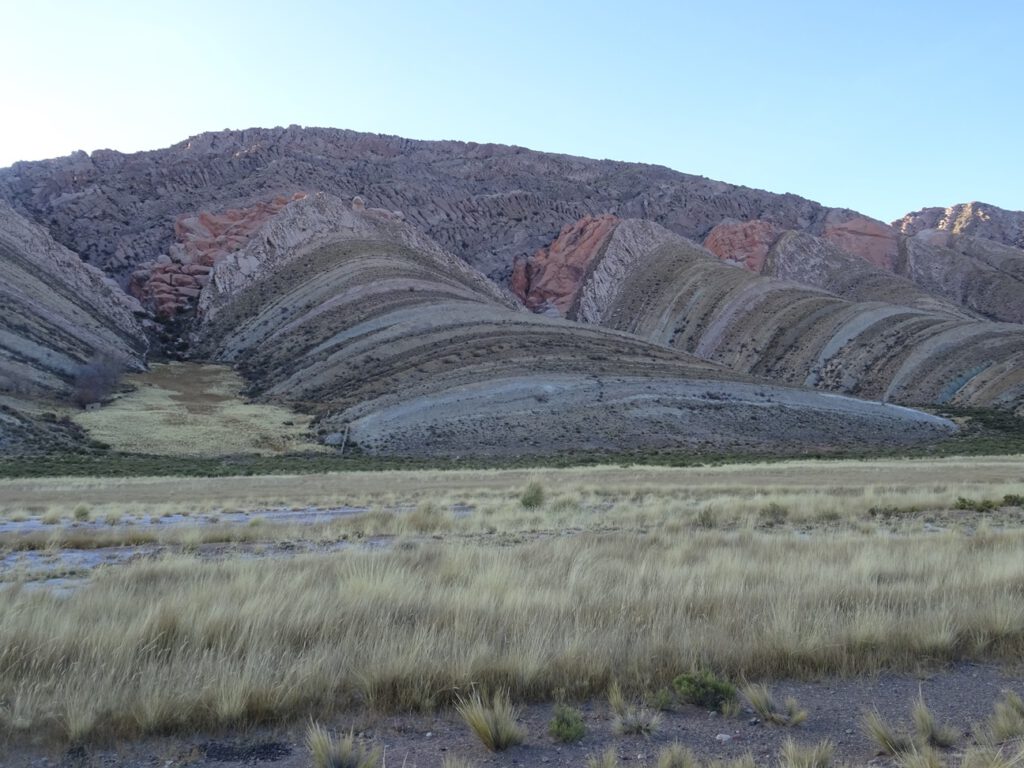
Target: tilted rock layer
{"points": [[401, 348], [654, 284]]}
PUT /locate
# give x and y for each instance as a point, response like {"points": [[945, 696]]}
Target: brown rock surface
{"points": [[874, 241], [977, 219], [552, 276], [743, 242]]}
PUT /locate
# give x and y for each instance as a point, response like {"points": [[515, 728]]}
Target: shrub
{"points": [[793, 755], [533, 496], [705, 689], [328, 752], [1013, 500], [976, 505], [773, 514], [764, 704], [494, 723], [567, 724], [95, 380], [82, 512]]}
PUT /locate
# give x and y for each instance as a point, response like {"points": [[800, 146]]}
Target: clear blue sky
{"points": [[884, 107]]}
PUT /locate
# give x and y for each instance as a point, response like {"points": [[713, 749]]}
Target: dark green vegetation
{"points": [[983, 432]]}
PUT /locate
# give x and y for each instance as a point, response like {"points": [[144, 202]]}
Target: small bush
{"points": [[675, 755], [661, 700], [927, 730], [494, 723], [95, 380], [773, 514], [793, 755], [976, 505], [705, 689], [1013, 500], [82, 512], [328, 752], [533, 496], [567, 724], [889, 740], [763, 703]]}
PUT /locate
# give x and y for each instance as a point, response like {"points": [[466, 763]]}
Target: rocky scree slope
{"points": [[652, 283], [402, 348]]}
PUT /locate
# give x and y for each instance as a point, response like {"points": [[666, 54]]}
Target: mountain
{"points": [[402, 348], [453, 298]]}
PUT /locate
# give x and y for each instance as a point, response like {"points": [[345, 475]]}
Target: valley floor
{"points": [[239, 608]]}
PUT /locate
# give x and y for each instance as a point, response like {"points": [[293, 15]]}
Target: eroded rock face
{"points": [[550, 279], [875, 242], [173, 281], [743, 242], [977, 219]]}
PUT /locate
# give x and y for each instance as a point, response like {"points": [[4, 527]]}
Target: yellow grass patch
{"points": [[188, 409]]}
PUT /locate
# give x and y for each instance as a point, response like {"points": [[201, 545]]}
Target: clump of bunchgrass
{"points": [[329, 752], [889, 740], [1007, 719], [675, 755], [82, 512], [927, 730], [707, 690], [628, 719], [793, 755], [533, 496], [494, 721], [920, 757], [789, 714], [566, 724]]}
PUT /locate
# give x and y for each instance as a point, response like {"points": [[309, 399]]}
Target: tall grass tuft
{"points": [[675, 755], [493, 722], [793, 755], [533, 496], [888, 739], [789, 714], [927, 731], [328, 752]]}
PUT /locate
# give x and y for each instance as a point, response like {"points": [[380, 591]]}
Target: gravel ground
{"points": [[960, 695]]}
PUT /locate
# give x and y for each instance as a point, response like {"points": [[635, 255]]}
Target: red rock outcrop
{"points": [[875, 242], [551, 278], [743, 242], [172, 282]]}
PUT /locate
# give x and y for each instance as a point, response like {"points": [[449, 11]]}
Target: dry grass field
{"points": [[544, 583]]}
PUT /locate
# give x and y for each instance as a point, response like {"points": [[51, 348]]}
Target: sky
{"points": [[883, 107]]}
